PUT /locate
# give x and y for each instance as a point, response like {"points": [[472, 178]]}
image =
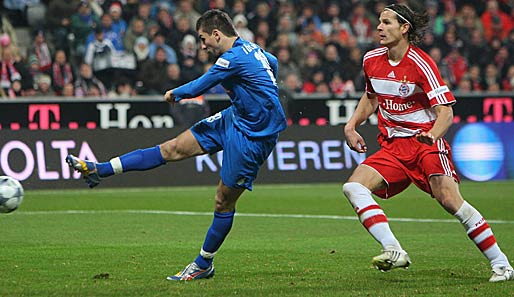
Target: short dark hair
{"points": [[418, 21], [216, 19]]}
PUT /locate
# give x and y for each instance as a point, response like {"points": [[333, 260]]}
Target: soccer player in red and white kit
{"points": [[414, 112]]}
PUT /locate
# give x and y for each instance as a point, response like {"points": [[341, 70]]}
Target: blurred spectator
{"points": [[312, 83], [464, 86], [136, 30], [185, 9], [436, 23], [87, 84], [475, 77], [282, 42], [158, 41], [265, 33], [287, 66], [477, 50], [238, 7], [361, 25], [188, 47], [174, 78], [467, 22], [141, 50], [496, 22], [165, 20], [99, 56], [292, 85], [33, 65], [352, 68], [44, 86], [335, 26], [119, 25], [457, 64], [10, 77], [58, 21], [241, 25], [428, 42], [338, 86], [42, 51], [331, 62], [309, 16], [115, 37], [508, 81], [190, 68], [7, 32], [68, 90], [312, 64], [82, 24], [123, 89], [261, 13], [503, 60], [491, 78], [61, 72], [149, 25], [182, 29], [153, 74], [286, 27]]}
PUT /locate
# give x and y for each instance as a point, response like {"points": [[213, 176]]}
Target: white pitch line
{"points": [[256, 215]]}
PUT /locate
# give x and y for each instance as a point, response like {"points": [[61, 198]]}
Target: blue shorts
{"points": [[242, 156]]}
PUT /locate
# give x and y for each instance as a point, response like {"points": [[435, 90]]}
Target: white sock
{"points": [[479, 231], [116, 165], [371, 215]]}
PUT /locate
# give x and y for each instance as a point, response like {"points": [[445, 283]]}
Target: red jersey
{"points": [[407, 91]]}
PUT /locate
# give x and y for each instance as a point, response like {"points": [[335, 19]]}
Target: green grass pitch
{"points": [[287, 240]]}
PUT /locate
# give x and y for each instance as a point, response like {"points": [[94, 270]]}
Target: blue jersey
{"points": [[247, 73]]}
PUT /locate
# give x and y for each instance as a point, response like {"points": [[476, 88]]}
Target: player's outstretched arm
{"points": [[366, 107]]}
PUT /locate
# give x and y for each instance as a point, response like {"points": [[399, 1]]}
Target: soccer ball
{"points": [[11, 194]]}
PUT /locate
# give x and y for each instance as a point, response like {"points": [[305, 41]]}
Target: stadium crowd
{"points": [[125, 48]]}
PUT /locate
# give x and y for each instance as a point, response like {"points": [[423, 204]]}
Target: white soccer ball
{"points": [[11, 194]]}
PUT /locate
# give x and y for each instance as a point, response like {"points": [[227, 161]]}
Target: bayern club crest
{"points": [[404, 89]]}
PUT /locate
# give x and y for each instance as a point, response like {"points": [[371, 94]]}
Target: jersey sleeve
{"points": [[272, 62], [432, 82], [224, 68]]}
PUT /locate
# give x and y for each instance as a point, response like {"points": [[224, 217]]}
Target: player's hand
{"points": [[169, 96], [355, 141], [426, 138]]}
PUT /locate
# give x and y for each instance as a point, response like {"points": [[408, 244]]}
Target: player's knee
{"points": [[169, 150], [350, 189]]}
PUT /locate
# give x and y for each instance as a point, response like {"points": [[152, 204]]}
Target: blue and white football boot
{"points": [[87, 168], [193, 272]]}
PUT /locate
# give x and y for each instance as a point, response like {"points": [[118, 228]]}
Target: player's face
{"points": [[390, 31], [210, 42]]}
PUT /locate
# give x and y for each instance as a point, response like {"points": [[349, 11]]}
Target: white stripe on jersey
{"points": [[399, 131], [390, 87], [421, 116]]}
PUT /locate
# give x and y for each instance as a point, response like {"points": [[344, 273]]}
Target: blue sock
{"points": [[141, 159], [216, 234]]}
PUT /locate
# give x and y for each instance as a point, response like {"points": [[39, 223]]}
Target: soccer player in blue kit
{"points": [[247, 131]]}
